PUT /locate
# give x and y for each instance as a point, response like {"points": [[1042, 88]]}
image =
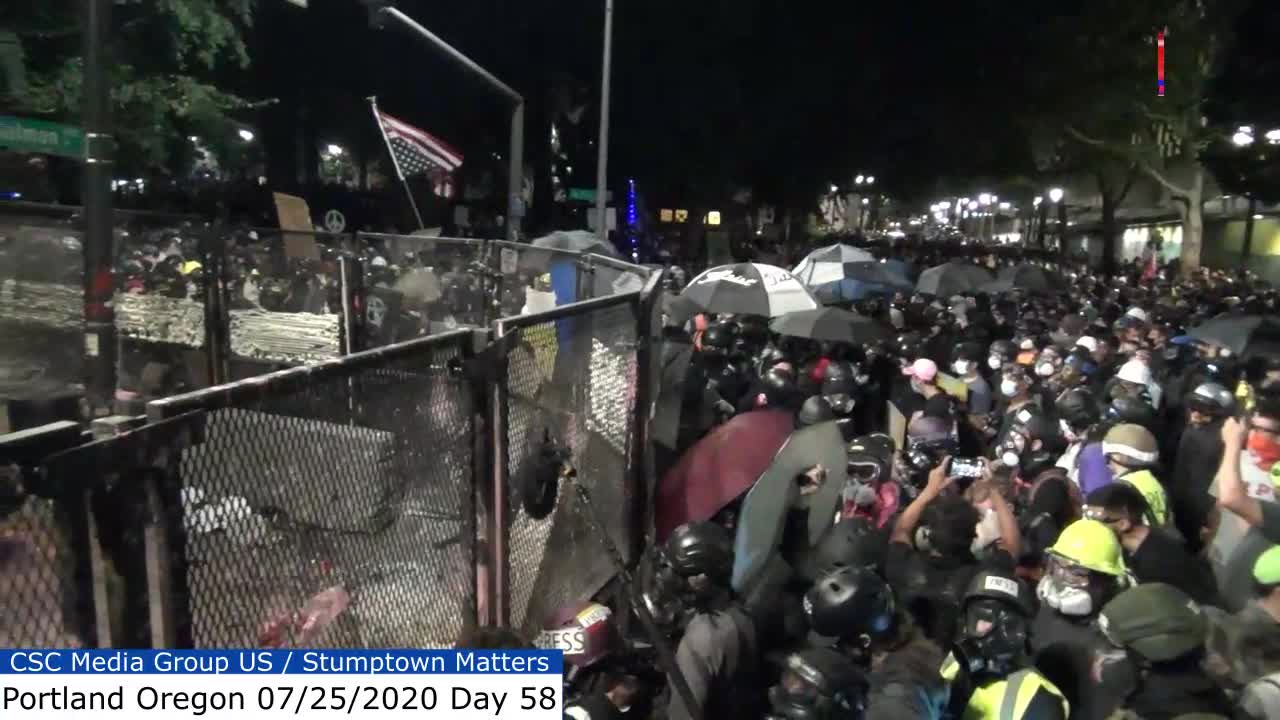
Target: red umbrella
{"points": [[719, 468]]}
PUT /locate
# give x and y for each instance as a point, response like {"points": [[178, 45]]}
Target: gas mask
{"points": [[863, 476], [799, 695], [961, 367], [992, 640], [668, 597], [995, 362]]}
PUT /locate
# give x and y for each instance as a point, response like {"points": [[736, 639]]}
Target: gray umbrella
{"points": [[765, 508]]}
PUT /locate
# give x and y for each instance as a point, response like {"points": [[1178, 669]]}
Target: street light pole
{"points": [[602, 153], [99, 318], [379, 12]]}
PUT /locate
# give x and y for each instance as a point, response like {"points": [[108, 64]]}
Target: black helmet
{"points": [[1126, 409], [1213, 399], [1078, 407], [852, 543], [819, 684], [701, 548], [1005, 587], [839, 377], [719, 336], [815, 410], [850, 603]]}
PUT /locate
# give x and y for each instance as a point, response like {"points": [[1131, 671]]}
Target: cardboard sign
{"points": [[293, 213], [897, 426], [953, 386]]}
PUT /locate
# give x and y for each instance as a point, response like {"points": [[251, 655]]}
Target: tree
{"points": [[164, 57], [1100, 92]]}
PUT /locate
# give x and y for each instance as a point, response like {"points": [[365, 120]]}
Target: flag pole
{"points": [[377, 117]]}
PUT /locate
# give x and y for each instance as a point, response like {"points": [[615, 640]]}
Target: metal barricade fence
{"points": [[335, 504], [573, 377], [332, 505]]}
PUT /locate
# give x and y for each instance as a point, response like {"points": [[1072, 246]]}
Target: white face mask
{"points": [[961, 367], [1009, 388], [1009, 458], [994, 362], [1045, 369]]}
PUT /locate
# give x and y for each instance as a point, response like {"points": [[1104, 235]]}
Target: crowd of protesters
{"points": [[1058, 502]]}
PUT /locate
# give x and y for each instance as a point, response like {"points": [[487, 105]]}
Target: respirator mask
{"points": [[1068, 588], [993, 639]]}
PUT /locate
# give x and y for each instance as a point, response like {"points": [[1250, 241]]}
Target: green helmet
{"points": [[1159, 622]]}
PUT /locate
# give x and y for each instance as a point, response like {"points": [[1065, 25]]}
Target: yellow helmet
{"points": [[1091, 545], [189, 267]]}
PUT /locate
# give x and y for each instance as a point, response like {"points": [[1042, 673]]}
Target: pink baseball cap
{"points": [[923, 369]]}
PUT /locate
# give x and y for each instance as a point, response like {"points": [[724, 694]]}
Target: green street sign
{"points": [[37, 136], [587, 195]]}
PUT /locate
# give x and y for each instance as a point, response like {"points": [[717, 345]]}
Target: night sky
{"points": [[782, 96]]}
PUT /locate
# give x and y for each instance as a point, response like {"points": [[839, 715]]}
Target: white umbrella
{"points": [[826, 264], [749, 289]]}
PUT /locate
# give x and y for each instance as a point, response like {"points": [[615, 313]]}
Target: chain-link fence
{"points": [[333, 505], [573, 378]]}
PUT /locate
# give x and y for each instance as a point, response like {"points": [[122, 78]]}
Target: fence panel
{"points": [[571, 376], [44, 602], [416, 285], [333, 505]]}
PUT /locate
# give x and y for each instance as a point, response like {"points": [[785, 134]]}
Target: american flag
{"points": [[415, 151]]}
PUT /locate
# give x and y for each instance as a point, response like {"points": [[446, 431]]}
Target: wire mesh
{"points": [[336, 510], [37, 588], [416, 286], [572, 379]]}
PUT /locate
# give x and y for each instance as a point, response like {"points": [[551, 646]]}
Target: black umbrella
{"points": [[952, 278], [1242, 334], [832, 324], [749, 289], [678, 309], [1023, 277]]}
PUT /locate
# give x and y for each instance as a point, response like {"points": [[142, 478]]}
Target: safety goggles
{"points": [[1067, 573]]}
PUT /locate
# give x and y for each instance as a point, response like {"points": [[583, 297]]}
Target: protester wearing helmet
{"points": [[1134, 380], [1131, 452], [1078, 420], [869, 491], [1085, 569], [718, 651], [853, 611], [1032, 445], [1198, 454], [988, 668], [1244, 647], [1157, 638], [1150, 554], [1017, 388], [818, 684]]}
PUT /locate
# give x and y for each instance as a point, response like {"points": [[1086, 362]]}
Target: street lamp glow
{"points": [[859, 180], [334, 149], [871, 179], [1257, 217], [866, 201], [945, 204], [1273, 136], [246, 135], [984, 199], [973, 204], [1037, 201], [1004, 206], [1055, 195], [1242, 138], [835, 189], [193, 138]]}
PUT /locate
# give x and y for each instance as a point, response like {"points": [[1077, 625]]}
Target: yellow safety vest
{"points": [[1005, 699], [1153, 492]]}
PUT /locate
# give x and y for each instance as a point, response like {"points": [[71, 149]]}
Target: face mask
{"points": [[1045, 369], [1264, 450], [1070, 601], [916, 388], [994, 362], [1008, 388], [961, 367], [1009, 458]]}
